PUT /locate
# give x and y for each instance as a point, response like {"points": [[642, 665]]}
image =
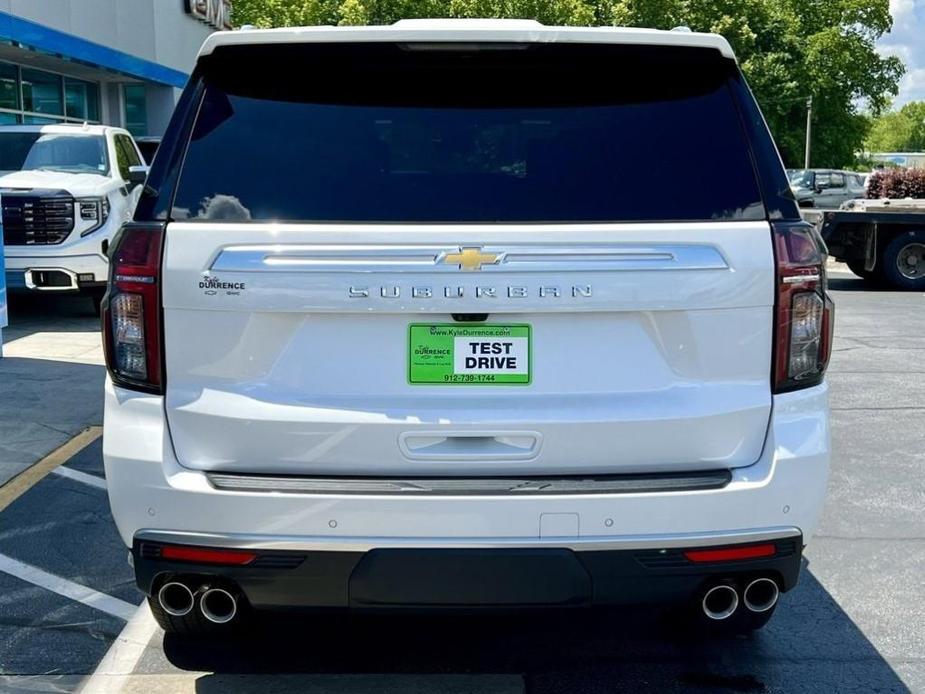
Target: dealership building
{"points": [[116, 62]]}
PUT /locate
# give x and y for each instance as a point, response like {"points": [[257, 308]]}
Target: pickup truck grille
{"points": [[36, 220]]}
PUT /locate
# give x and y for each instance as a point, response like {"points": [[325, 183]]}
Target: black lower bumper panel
{"points": [[469, 578]]}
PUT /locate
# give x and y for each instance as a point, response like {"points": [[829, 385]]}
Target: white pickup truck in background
{"points": [[65, 190]]}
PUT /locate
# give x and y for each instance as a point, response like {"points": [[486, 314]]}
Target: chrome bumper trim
{"points": [[364, 544], [473, 486]]}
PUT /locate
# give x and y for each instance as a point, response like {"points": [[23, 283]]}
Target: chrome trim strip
{"points": [[798, 279], [140, 279], [433, 259], [474, 486], [310, 543]]}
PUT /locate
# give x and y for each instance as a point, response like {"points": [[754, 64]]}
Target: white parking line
{"points": [[79, 476], [113, 671], [69, 589]]}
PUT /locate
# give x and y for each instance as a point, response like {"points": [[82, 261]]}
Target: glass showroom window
{"points": [[42, 93], [136, 109], [9, 87], [37, 96], [82, 99]]}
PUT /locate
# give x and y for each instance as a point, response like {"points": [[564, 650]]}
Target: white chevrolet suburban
{"points": [[65, 191], [406, 319]]}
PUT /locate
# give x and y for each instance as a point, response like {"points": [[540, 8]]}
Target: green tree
{"points": [[284, 13], [788, 49], [899, 131], [791, 49]]}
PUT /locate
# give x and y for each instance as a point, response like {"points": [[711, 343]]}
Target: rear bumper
{"points": [[154, 498], [513, 577]]}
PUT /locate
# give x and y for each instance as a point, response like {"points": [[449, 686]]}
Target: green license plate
{"points": [[469, 354]]}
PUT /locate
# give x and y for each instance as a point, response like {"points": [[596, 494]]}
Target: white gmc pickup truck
{"points": [[65, 191], [422, 329]]}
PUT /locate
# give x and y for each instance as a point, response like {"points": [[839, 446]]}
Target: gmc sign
{"points": [[215, 13]]}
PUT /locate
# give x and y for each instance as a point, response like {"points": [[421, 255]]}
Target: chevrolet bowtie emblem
{"points": [[471, 259]]}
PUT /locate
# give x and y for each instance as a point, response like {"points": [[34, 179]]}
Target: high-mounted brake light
{"points": [[132, 310], [803, 312]]}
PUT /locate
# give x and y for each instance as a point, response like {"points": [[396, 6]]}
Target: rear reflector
{"points": [[730, 553], [207, 556]]}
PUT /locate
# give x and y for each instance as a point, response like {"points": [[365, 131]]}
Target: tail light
{"points": [[132, 310], [804, 312]]}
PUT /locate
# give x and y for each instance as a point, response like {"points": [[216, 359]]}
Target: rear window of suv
{"points": [[539, 133]]}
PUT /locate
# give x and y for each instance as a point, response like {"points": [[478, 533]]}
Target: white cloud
{"points": [[902, 11], [906, 41], [912, 87]]}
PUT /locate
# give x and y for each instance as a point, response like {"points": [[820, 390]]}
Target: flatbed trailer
{"points": [[880, 241]]}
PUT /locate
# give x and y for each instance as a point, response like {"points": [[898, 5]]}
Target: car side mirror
{"points": [[137, 175]]}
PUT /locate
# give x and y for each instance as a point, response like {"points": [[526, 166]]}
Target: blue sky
{"points": [[907, 40]]}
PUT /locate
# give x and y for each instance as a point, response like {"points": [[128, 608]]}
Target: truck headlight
{"points": [[93, 210]]}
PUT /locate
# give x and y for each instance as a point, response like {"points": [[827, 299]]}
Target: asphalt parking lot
{"points": [[68, 609]]}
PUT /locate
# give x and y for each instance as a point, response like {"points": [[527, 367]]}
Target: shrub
{"points": [[899, 183]]}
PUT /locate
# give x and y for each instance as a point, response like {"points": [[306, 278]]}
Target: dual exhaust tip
{"points": [[220, 606], [217, 605], [722, 600]]}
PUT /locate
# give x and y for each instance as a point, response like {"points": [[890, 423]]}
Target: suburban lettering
{"points": [[480, 292]]}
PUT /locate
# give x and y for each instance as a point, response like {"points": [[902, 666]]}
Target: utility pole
{"points": [[809, 130]]}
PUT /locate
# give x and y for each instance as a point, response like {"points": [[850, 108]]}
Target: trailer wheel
{"points": [[904, 260]]}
